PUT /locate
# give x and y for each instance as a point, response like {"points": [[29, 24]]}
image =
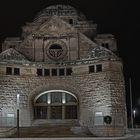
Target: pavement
{"points": [[131, 135], [126, 137]]}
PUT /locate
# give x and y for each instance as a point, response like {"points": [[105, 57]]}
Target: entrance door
{"points": [[56, 112]]}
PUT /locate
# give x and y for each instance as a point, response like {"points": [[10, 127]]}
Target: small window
{"points": [[68, 71], [12, 46], [16, 71], [46, 72], [71, 21], [103, 44], [39, 72], [54, 72], [107, 45], [8, 70], [61, 72], [91, 69], [98, 68]]}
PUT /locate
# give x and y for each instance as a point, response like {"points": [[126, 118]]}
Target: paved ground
{"points": [[127, 137], [82, 138], [132, 135]]}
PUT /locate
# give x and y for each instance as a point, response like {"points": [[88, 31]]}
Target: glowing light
{"points": [[63, 98], [134, 112], [18, 101], [49, 99]]}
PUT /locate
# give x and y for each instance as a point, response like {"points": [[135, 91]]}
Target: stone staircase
{"points": [[50, 131], [7, 131]]}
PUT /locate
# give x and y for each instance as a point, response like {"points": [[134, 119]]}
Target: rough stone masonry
{"points": [[65, 73]]}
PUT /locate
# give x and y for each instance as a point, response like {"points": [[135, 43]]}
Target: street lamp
{"points": [[134, 112], [131, 103], [18, 115]]}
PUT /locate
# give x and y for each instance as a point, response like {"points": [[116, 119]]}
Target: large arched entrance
{"points": [[56, 105]]}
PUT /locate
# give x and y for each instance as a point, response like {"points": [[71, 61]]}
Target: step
{"points": [[50, 131]]}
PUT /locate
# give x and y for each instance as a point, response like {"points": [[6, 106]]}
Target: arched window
{"points": [[55, 104]]}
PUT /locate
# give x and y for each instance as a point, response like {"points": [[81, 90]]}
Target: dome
{"points": [[60, 10]]}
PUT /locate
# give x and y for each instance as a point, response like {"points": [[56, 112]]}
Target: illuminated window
{"points": [[56, 97], [98, 118], [62, 105], [70, 98], [42, 99]]}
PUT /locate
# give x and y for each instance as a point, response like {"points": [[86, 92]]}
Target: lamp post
{"points": [[131, 103], [18, 115]]}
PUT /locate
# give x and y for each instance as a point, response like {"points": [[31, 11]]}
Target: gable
{"points": [[55, 26], [100, 52], [11, 55]]}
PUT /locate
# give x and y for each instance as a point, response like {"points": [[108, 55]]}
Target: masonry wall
{"points": [[96, 92]]}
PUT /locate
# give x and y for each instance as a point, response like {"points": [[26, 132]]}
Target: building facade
{"points": [[65, 73]]}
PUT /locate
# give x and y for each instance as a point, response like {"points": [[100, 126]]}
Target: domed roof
{"points": [[59, 10]]}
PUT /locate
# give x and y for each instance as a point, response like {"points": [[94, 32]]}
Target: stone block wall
{"points": [[96, 92]]}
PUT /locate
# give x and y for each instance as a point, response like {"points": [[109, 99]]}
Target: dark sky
{"points": [[118, 17]]}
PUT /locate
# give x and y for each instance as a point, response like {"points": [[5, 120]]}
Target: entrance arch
{"points": [[56, 104]]}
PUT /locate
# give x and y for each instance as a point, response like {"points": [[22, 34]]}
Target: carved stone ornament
{"points": [[101, 52], [11, 55]]}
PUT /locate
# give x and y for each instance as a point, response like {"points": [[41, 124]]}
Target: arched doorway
{"points": [[55, 104]]}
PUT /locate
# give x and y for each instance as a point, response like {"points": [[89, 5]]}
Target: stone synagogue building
{"points": [[65, 74]]}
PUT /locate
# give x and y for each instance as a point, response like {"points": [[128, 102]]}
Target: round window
{"points": [[56, 51]]}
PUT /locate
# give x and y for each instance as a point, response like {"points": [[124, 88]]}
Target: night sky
{"points": [[118, 17]]}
